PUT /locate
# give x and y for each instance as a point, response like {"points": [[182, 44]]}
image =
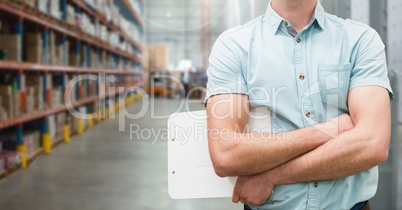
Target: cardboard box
{"points": [[7, 104], [11, 159], [16, 103], [160, 57], [60, 123], [52, 49], [31, 3], [43, 5], [146, 81], [33, 47], [146, 63], [11, 43], [74, 60], [70, 15], [36, 83], [32, 141], [9, 100], [74, 124], [54, 8]]}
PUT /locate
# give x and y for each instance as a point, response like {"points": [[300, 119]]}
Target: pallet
{"points": [[31, 10], [3, 174], [16, 4], [7, 172], [58, 142], [43, 16], [35, 155]]}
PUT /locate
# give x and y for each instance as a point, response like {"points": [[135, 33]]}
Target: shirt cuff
{"points": [[213, 90], [372, 82]]}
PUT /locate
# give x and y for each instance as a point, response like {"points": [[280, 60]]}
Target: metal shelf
{"points": [[101, 18], [12, 65], [67, 32], [135, 14], [44, 113]]}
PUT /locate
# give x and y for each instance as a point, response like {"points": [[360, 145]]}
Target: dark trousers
{"points": [[360, 206]]}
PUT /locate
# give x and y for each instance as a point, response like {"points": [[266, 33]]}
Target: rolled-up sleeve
{"points": [[370, 64], [224, 73]]}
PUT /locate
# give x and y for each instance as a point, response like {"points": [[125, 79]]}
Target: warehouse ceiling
{"points": [[179, 24], [182, 25]]}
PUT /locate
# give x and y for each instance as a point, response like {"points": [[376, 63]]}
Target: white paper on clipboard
{"points": [[190, 170]]}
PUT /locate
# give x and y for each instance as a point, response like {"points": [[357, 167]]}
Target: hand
{"points": [[253, 190]]}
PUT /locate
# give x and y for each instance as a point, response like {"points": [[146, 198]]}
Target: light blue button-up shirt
{"points": [[303, 79]]}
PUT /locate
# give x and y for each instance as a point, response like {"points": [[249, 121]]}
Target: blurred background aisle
{"points": [[101, 57]]}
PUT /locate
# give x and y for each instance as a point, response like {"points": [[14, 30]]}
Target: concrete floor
{"points": [[103, 170]]}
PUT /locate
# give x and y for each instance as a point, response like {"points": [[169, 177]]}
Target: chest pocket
{"points": [[334, 84]]}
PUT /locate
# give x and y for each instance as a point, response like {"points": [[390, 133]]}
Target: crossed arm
{"points": [[309, 154]]}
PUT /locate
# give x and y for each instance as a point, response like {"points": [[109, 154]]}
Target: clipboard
{"points": [[190, 171]]}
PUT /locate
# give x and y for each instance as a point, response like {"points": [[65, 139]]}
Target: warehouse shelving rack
{"points": [[135, 15], [23, 13]]}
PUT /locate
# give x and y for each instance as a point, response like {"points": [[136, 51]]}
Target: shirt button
{"points": [[315, 184], [301, 77], [286, 23], [308, 114], [298, 40]]}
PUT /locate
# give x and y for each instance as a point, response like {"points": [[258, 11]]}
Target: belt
{"points": [[358, 206]]}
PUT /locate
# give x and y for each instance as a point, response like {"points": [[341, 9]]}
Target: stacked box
{"points": [[36, 82], [43, 5], [11, 43], [30, 2], [52, 49], [70, 15], [11, 159], [94, 59], [30, 99], [160, 57], [3, 112], [83, 56], [6, 93], [90, 3], [60, 123], [33, 47], [51, 123], [74, 124], [83, 110], [56, 96], [32, 141], [146, 51], [56, 50], [74, 60], [54, 8], [16, 103], [63, 51]]}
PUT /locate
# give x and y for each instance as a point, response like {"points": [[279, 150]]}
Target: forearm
{"points": [[252, 153], [348, 154]]}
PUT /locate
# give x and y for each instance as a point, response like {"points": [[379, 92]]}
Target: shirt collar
{"points": [[274, 20]]}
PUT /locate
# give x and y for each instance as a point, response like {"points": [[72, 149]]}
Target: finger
{"points": [[235, 198]]}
